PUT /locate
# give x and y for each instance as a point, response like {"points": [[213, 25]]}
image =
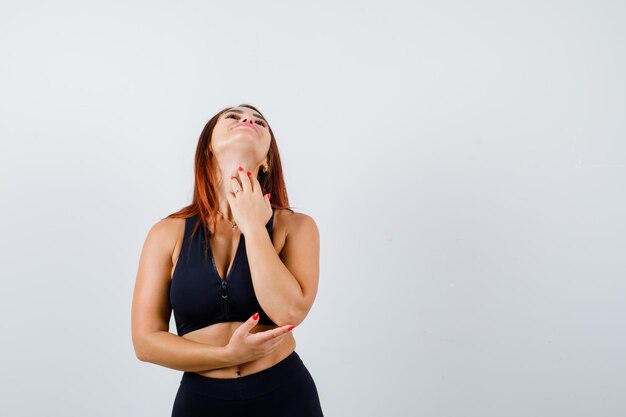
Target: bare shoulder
{"points": [[167, 233], [168, 228], [294, 222]]}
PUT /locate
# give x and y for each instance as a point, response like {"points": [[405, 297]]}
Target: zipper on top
{"points": [[224, 289], [224, 282]]}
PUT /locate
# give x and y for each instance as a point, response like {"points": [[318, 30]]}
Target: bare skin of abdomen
{"points": [[219, 334]]}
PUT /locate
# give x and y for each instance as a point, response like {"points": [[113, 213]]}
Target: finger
{"points": [[245, 179], [280, 339], [273, 333], [256, 185], [234, 182], [282, 331], [276, 342], [250, 323]]}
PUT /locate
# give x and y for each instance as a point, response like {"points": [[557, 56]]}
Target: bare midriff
{"points": [[219, 334]]}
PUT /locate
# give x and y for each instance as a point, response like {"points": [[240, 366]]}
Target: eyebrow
{"points": [[240, 112]]}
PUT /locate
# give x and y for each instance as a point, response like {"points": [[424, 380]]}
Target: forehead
{"points": [[241, 110]]}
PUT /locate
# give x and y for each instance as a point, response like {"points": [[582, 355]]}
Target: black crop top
{"points": [[199, 297]]}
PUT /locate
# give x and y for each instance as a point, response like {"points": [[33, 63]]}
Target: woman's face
{"points": [[242, 132]]}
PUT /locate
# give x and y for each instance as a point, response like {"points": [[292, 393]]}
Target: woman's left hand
{"points": [[251, 209]]}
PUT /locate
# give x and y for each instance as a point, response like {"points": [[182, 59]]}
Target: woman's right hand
{"points": [[245, 346]]}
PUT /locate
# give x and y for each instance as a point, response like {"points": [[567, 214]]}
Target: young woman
{"points": [[239, 269]]}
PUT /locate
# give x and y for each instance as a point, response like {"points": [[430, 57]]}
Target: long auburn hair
{"points": [[204, 202]]}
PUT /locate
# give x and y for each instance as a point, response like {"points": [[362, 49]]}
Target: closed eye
{"points": [[236, 117]]}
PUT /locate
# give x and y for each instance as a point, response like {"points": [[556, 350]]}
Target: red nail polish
{"points": [[240, 168], [255, 316], [290, 328], [249, 173], [269, 195]]}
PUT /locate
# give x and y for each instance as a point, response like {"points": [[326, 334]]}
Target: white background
{"points": [[465, 163]]}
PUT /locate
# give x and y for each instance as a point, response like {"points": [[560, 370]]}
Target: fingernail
{"points": [[255, 316], [249, 173], [240, 168], [268, 195], [290, 328]]}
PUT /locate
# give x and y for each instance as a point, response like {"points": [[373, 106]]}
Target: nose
{"points": [[247, 118]]}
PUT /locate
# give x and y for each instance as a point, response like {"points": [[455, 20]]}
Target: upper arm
{"points": [[151, 309], [301, 254]]}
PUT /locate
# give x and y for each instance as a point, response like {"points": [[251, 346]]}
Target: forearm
{"points": [[175, 352], [277, 290]]}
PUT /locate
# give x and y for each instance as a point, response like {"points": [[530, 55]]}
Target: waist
{"points": [[247, 386]]}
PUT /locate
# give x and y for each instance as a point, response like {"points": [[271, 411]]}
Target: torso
{"points": [[219, 334]]}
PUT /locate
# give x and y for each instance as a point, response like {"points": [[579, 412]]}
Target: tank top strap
{"points": [[186, 245], [270, 224]]}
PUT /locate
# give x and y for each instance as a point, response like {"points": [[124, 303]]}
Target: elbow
{"points": [[140, 354], [295, 316], [139, 345], [292, 315], [285, 319]]}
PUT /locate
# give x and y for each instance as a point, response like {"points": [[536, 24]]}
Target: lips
{"points": [[245, 125]]}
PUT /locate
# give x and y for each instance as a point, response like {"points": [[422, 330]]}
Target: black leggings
{"points": [[283, 390]]}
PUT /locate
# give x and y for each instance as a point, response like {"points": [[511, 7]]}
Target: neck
{"points": [[227, 169]]}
